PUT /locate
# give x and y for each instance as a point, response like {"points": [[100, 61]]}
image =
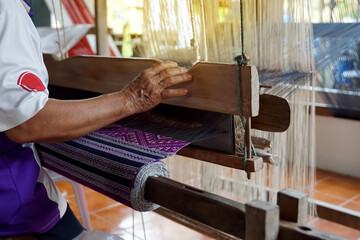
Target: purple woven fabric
{"points": [[112, 160], [167, 146]]}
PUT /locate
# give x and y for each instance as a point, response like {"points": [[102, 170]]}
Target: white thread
{"points": [[66, 54], [58, 32]]}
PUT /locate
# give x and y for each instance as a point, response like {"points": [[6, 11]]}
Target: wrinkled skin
{"points": [[151, 86]]}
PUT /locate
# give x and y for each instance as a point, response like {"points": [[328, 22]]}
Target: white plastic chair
{"points": [[79, 195]]}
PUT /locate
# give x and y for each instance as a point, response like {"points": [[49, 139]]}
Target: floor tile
{"points": [[339, 185], [66, 189], [121, 216], [329, 198], [337, 229], [96, 201], [357, 199], [203, 237], [73, 205], [102, 224], [160, 228], [321, 174], [353, 205], [86, 189], [126, 235], [156, 226]]}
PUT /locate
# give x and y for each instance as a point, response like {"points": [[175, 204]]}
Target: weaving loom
{"points": [[97, 160]]}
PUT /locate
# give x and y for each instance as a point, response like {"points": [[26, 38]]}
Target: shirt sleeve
{"points": [[23, 75]]}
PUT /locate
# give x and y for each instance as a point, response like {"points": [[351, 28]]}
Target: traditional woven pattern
{"points": [[115, 161]]}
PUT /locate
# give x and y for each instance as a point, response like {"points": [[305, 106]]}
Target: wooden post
{"points": [[250, 94], [293, 206], [261, 221], [102, 42], [250, 89]]}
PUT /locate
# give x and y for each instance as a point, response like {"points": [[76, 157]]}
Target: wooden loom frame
{"points": [[157, 188], [60, 76]]}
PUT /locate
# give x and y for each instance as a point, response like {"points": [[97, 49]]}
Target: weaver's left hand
{"points": [[152, 86]]}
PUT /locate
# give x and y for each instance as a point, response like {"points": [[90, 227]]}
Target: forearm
{"points": [[66, 120], [60, 121]]}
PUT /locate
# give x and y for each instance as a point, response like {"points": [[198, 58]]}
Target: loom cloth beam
{"points": [[214, 86], [224, 214]]}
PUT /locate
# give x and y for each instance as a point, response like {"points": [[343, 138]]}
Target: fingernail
{"points": [[188, 76], [184, 70]]}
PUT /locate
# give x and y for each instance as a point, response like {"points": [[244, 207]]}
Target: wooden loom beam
{"points": [[214, 86], [253, 165], [344, 216], [194, 205]]}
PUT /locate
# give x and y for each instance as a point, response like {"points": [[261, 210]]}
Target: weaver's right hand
{"points": [[153, 85]]}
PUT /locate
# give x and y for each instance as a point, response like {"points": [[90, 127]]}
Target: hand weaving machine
{"points": [[114, 161], [122, 160]]}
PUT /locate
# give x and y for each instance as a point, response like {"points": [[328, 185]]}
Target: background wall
{"points": [[338, 145]]}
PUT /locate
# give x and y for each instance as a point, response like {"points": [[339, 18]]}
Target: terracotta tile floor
{"points": [[110, 216]]}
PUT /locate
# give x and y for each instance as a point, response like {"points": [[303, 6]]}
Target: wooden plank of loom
{"points": [[291, 230], [217, 93], [338, 214], [275, 110], [214, 87], [333, 213], [216, 211], [253, 165], [208, 208]]}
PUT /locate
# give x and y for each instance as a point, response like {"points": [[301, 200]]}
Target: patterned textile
{"points": [[115, 161]]}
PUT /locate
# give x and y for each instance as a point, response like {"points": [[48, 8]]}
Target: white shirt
{"points": [[29, 200], [23, 75]]}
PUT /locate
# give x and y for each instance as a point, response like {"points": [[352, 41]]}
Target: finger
{"points": [[166, 73], [161, 66], [172, 93], [175, 80]]}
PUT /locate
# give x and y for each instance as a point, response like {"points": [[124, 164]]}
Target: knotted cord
{"points": [[242, 60]]}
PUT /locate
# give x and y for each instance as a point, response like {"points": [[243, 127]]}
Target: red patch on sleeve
{"points": [[30, 82]]}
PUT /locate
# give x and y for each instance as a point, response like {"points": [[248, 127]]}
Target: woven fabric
{"points": [[115, 161]]}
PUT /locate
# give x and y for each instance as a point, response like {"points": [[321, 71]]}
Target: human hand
{"points": [[152, 86]]}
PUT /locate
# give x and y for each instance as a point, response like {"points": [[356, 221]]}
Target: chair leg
{"points": [[82, 205]]}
